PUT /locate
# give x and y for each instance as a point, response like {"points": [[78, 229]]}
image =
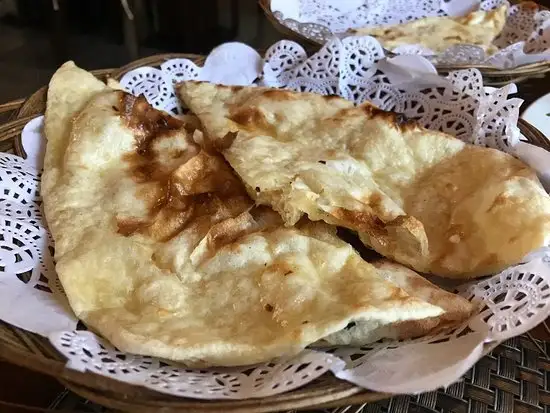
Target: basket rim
{"points": [[294, 399], [522, 70], [120, 395]]}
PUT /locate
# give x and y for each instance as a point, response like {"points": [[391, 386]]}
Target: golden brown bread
{"points": [[439, 33], [160, 249], [420, 197], [457, 310]]}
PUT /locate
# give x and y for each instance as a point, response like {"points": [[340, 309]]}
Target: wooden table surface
{"points": [[20, 386]]}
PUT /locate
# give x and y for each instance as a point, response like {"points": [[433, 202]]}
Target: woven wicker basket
{"points": [[512, 378], [491, 75]]}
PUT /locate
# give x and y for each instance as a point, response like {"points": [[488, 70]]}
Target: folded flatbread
{"points": [[439, 33], [160, 249], [420, 197]]}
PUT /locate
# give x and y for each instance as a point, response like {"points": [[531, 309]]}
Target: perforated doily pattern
{"points": [[23, 240], [31, 295], [353, 68], [508, 304], [230, 63], [524, 39], [86, 352]]}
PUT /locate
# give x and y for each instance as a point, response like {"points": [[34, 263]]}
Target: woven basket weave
{"points": [[513, 378], [491, 76]]}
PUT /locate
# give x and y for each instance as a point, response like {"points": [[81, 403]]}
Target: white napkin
{"points": [[290, 9], [414, 71], [537, 158]]}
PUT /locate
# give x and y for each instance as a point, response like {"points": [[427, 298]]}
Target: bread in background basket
{"points": [[438, 33], [517, 53]]}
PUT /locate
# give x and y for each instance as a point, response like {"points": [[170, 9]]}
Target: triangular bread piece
{"points": [[160, 249], [420, 197], [457, 310]]}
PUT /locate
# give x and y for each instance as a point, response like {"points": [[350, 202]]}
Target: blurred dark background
{"points": [[36, 36]]}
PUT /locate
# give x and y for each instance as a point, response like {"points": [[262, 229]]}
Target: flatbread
{"points": [[439, 33], [68, 93], [457, 310], [161, 251], [420, 197]]}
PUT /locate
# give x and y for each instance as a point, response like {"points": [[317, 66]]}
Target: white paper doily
{"points": [[509, 304], [241, 65], [525, 38]]}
